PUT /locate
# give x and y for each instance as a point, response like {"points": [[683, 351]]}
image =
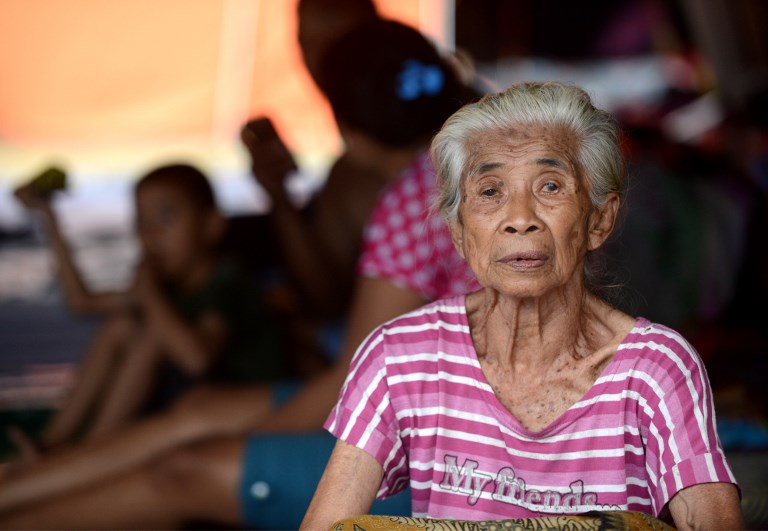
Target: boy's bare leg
{"points": [[130, 386], [92, 376], [200, 413], [194, 483]]}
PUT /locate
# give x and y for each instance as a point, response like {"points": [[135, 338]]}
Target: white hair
{"points": [[549, 104]]}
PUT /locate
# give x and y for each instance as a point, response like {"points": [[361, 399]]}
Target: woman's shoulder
{"points": [[637, 333], [649, 331], [655, 344], [437, 327], [449, 311]]}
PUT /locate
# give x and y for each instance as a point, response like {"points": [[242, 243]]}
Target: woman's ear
{"points": [[602, 221], [457, 235]]}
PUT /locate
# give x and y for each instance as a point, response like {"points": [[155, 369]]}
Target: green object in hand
{"points": [[50, 180]]}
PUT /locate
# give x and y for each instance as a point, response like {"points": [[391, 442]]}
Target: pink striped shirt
{"points": [[417, 400]]}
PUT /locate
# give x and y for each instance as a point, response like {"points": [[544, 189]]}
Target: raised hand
{"points": [[271, 162], [36, 194]]}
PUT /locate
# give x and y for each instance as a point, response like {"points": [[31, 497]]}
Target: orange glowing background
{"points": [[121, 82]]}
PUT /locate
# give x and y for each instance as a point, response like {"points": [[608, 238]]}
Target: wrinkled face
{"points": [[171, 229], [525, 220]]}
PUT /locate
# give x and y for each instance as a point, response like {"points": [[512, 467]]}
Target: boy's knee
{"points": [[115, 334]]}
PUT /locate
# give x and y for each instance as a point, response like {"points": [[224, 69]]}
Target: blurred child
{"points": [[190, 315]]}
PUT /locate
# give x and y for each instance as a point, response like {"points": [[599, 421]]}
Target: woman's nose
{"points": [[521, 215]]}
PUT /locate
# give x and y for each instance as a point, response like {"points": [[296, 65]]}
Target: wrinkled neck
{"points": [[534, 332]]}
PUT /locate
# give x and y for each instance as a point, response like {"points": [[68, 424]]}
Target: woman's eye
{"points": [[489, 192], [551, 187]]}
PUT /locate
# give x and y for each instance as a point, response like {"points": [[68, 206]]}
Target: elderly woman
{"points": [[531, 396]]}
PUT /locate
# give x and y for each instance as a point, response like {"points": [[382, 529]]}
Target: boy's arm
{"points": [[193, 347], [79, 298]]}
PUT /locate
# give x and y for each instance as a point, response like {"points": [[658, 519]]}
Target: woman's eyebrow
{"points": [[551, 163], [484, 168]]}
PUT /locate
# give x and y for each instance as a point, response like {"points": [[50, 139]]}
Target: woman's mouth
{"points": [[527, 259]]}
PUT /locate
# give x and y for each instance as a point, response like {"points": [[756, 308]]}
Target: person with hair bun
{"points": [[318, 239]]}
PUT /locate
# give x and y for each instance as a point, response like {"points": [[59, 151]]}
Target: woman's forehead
{"points": [[496, 145]]}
